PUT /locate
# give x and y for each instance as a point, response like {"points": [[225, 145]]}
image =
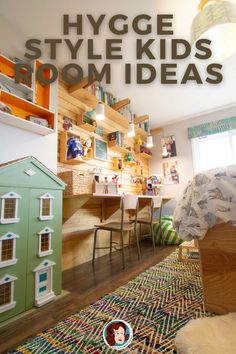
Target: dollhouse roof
{"points": [[30, 167]]}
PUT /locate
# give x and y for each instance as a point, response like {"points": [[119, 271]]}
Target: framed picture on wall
{"points": [[100, 149], [168, 146], [170, 172]]}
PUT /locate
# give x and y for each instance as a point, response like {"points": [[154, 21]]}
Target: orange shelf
{"points": [[20, 87], [7, 66], [24, 124], [42, 92], [22, 108]]}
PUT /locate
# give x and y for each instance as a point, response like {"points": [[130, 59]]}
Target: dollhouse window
{"points": [[9, 208], [45, 243], [7, 293], [8, 249], [46, 207], [43, 283]]}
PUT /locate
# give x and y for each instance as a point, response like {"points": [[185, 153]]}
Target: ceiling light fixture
{"points": [[131, 131], [216, 21], [100, 111], [149, 143]]}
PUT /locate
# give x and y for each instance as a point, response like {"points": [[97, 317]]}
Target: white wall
{"points": [[184, 150], [16, 143]]}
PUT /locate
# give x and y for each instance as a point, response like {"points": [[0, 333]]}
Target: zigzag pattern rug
{"points": [[156, 304]]}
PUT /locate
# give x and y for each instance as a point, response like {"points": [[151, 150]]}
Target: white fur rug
{"points": [[210, 335]]}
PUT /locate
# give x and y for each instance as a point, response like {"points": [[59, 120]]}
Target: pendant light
{"points": [[131, 131], [216, 20], [100, 111], [149, 143]]}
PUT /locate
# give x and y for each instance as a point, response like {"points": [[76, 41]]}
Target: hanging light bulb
{"points": [[100, 111], [131, 131], [149, 143], [216, 20]]}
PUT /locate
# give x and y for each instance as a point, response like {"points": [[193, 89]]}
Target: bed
{"points": [[207, 214]]}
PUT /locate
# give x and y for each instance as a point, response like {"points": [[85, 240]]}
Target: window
{"points": [[46, 207], [8, 249], [7, 293], [45, 242], [9, 208], [213, 151], [43, 283]]}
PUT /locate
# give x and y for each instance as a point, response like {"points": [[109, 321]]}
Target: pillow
{"points": [[164, 232]]}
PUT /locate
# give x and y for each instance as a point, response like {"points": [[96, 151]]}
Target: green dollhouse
{"points": [[30, 236]]}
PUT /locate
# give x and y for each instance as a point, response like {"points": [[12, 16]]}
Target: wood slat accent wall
{"points": [[77, 238]]}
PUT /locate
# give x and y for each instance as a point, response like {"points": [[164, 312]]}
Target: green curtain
{"points": [[210, 128]]}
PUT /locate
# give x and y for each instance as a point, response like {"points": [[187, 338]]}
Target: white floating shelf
{"points": [[24, 124], [11, 83]]}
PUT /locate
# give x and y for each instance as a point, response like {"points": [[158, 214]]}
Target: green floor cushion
{"points": [[164, 232]]}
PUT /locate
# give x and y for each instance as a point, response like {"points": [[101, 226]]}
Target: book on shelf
{"points": [[117, 137], [144, 126], [98, 91]]}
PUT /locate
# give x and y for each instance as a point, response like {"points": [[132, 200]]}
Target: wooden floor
{"points": [[85, 287]]}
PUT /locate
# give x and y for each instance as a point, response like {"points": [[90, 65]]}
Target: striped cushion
{"points": [[164, 232]]}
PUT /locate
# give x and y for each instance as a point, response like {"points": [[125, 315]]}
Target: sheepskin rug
{"points": [[210, 335]]}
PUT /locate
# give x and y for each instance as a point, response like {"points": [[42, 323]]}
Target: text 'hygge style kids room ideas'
{"points": [[118, 176]]}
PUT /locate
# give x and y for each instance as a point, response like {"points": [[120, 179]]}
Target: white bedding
{"points": [[209, 199]]}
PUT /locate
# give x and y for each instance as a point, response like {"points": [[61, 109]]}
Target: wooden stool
{"points": [[189, 246]]}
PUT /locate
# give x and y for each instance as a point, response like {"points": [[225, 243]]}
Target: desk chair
{"points": [[151, 220], [128, 203]]}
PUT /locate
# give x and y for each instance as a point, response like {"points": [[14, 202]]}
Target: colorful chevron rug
{"points": [[156, 304]]}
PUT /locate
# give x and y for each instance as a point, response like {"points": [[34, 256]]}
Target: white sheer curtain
{"points": [[214, 150]]}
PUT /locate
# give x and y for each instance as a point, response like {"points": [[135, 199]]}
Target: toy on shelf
{"points": [[74, 149], [139, 140], [87, 146], [86, 121], [143, 151], [118, 164], [5, 108], [67, 125], [30, 236], [154, 184], [130, 159]]}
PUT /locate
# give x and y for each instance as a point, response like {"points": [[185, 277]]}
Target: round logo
{"points": [[117, 334]]}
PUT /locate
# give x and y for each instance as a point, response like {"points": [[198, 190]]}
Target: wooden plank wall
{"points": [[77, 234]]}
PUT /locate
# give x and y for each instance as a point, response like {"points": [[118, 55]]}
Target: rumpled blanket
{"points": [[209, 199]]}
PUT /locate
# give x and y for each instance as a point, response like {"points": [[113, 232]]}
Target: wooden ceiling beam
{"points": [[156, 131], [141, 119], [118, 105], [82, 84]]}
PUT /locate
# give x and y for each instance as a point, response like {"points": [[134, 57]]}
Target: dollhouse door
{"points": [[43, 283]]}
